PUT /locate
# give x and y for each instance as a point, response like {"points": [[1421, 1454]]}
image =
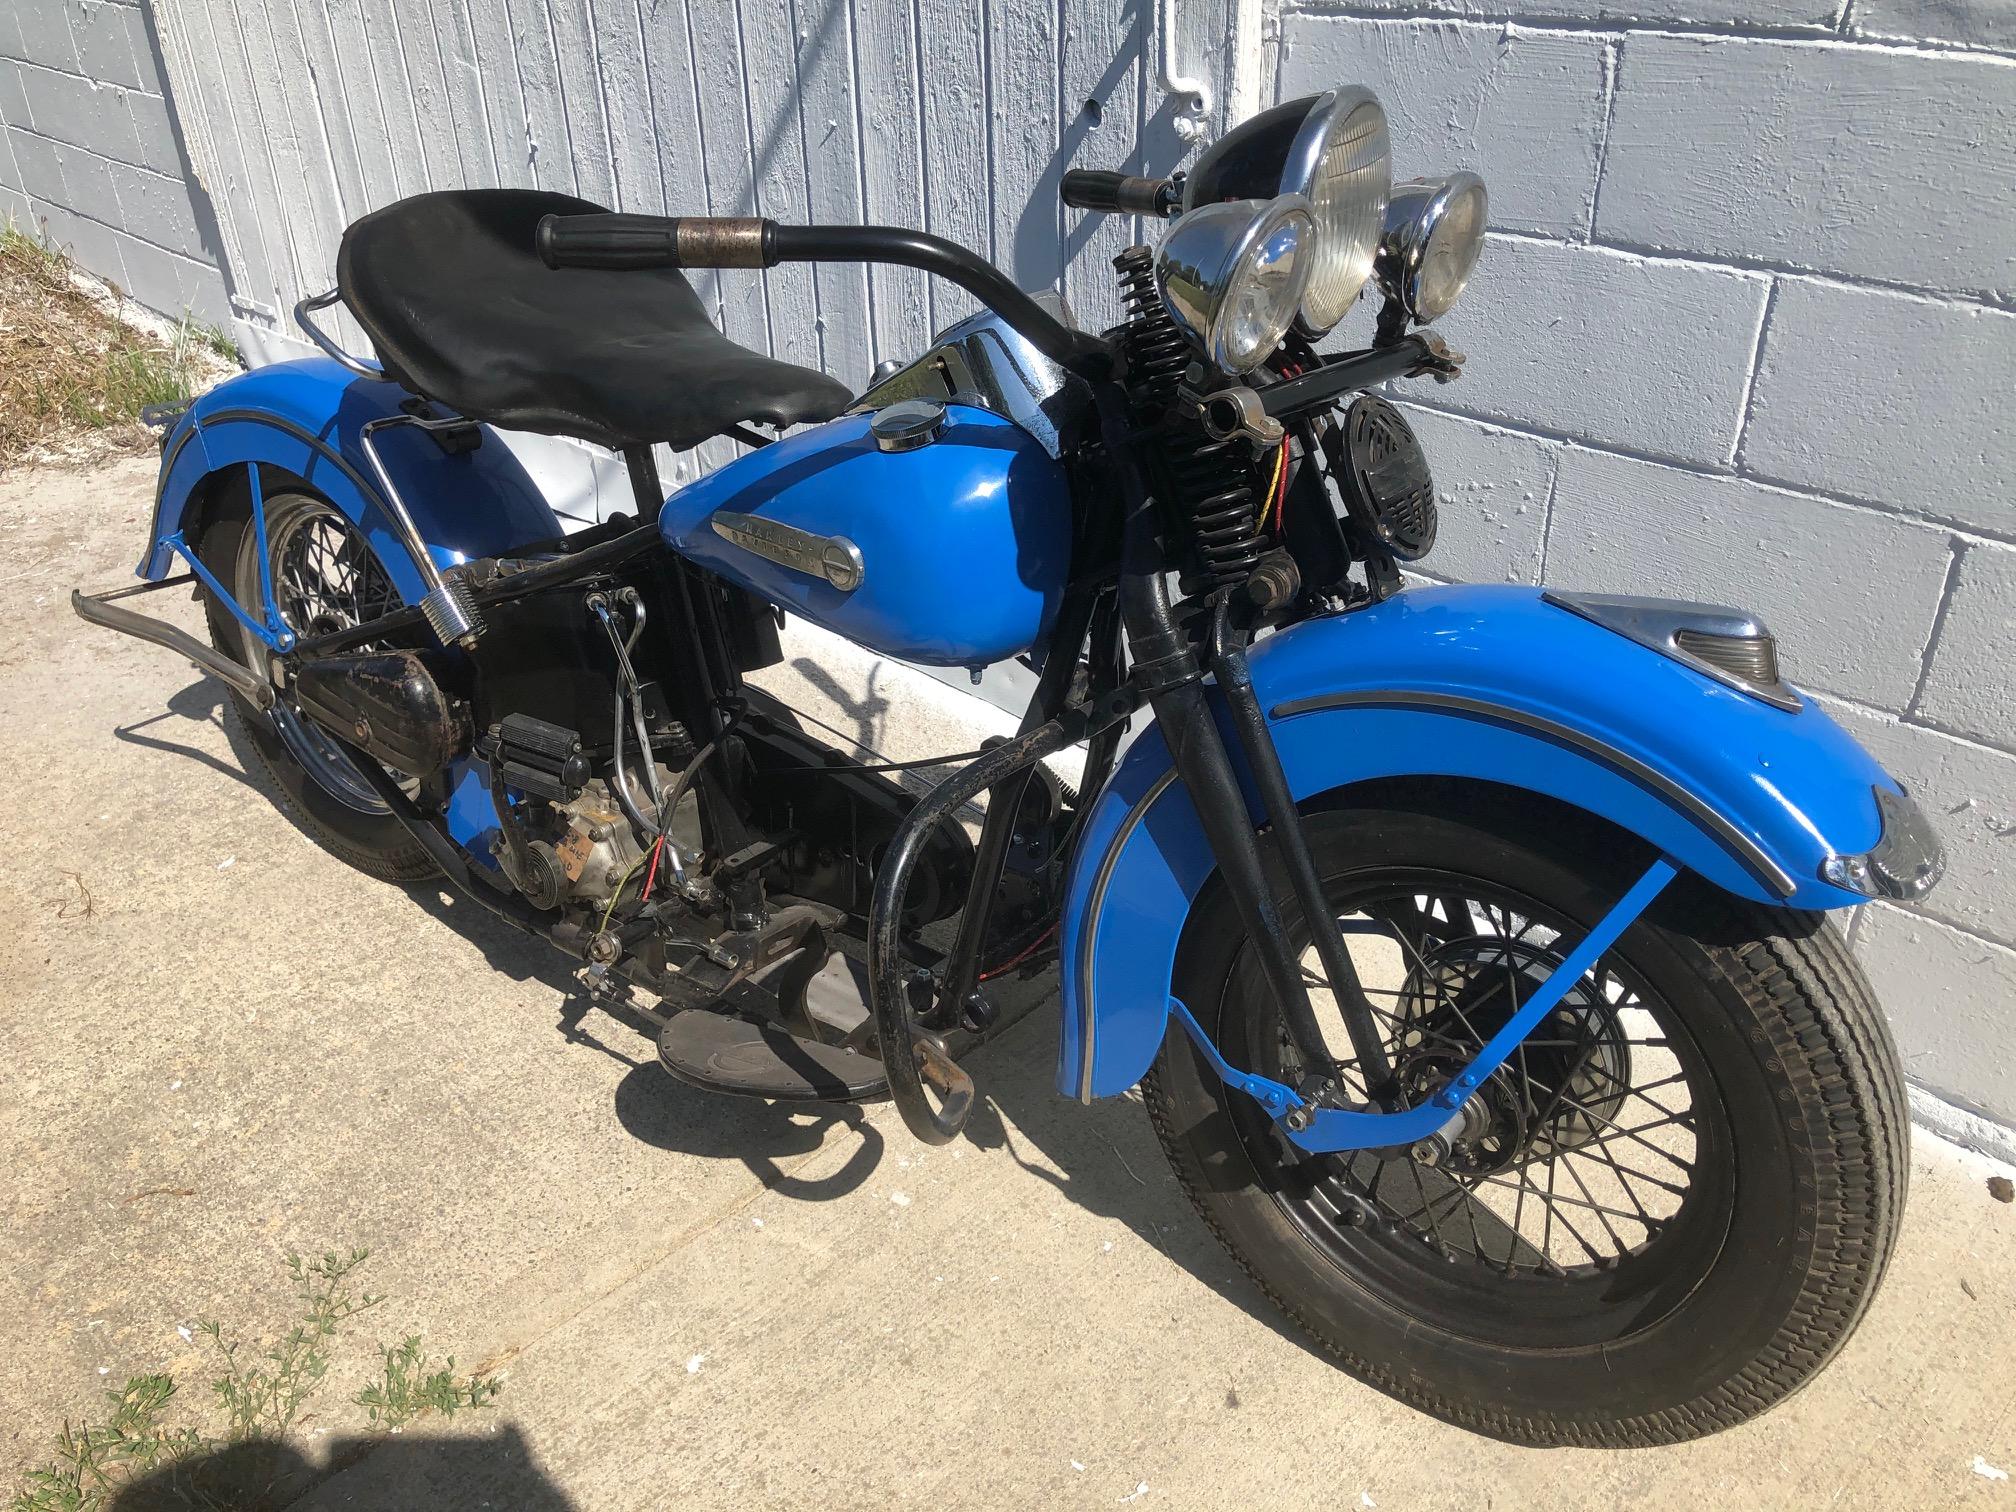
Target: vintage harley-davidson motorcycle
{"points": [[1466, 943]]}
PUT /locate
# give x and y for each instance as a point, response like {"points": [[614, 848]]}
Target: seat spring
{"points": [[1210, 482]]}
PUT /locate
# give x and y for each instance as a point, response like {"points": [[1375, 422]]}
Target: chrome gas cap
{"points": [[908, 424]]}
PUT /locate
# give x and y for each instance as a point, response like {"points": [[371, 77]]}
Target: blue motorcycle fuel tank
{"points": [[952, 549]]}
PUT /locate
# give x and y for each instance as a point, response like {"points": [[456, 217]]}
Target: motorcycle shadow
{"points": [[1103, 1158], [202, 702]]}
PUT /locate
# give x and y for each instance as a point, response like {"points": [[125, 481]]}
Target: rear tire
{"points": [[1733, 1295], [331, 804]]}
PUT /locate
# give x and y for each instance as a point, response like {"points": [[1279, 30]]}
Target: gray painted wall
{"points": [[1744, 332], [937, 113], [91, 155]]}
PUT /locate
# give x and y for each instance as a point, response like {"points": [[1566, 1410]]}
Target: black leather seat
{"points": [[454, 297]]}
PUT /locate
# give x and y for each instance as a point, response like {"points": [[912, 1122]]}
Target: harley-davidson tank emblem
{"points": [[834, 558]]}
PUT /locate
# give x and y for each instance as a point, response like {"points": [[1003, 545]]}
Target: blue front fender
{"points": [[304, 417], [1489, 683]]}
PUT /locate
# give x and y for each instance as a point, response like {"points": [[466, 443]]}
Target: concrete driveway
{"points": [[237, 1045]]}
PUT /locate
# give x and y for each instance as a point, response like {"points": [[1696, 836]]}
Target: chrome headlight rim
{"points": [[1335, 108], [1415, 211], [1217, 243]]}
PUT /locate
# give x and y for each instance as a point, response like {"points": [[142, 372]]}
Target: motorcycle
{"points": [[1465, 942]]}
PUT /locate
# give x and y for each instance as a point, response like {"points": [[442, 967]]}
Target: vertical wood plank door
{"points": [[958, 116]]}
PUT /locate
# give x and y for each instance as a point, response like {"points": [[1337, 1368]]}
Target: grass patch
{"points": [[73, 376], [244, 1462]]}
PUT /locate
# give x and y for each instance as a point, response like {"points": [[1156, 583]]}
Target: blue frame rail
{"points": [[1324, 1131]]}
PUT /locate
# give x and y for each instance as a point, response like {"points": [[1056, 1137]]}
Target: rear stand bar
{"points": [[97, 609]]}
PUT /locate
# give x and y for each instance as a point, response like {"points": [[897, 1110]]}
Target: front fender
{"points": [[1489, 683], [304, 417]]}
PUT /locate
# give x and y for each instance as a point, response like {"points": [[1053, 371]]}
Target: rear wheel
{"points": [[1664, 1214], [325, 577]]}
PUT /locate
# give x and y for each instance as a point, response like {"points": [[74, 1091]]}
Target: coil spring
{"points": [[1210, 482]]}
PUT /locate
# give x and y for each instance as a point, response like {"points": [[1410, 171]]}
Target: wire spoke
{"points": [[1495, 1179], [1618, 1171], [1602, 1215], [1541, 1180]]}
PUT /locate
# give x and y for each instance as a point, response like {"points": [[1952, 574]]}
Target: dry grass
{"points": [[73, 375]]}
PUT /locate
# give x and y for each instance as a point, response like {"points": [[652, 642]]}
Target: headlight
{"points": [[1434, 231], [1233, 274], [1331, 148]]}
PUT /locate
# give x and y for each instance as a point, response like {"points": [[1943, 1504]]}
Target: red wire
{"points": [[1035, 945], [656, 851]]}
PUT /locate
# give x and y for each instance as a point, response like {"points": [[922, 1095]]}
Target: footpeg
{"points": [[744, 1058]]}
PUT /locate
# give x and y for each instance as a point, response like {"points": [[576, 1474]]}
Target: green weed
{"points": [[69, 367], [260, 1396]]}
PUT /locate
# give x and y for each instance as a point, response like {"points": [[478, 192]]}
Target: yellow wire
{"points": [[1274, 487], [616, 895]]}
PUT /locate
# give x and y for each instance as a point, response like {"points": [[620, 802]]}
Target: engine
{"points": [[580, 851], [575, 844]]}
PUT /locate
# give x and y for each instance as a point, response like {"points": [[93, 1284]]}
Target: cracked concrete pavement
{"points": [[221, 1043]]}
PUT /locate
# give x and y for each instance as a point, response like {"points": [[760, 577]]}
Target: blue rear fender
{"points": [[303, 418], [1487, 683]]}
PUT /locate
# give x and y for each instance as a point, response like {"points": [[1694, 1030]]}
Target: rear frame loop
{"points": [[303, 317]]}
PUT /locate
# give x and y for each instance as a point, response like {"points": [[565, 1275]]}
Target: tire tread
{"points": [[1831, 1036]]}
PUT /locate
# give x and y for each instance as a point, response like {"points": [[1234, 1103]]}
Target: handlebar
{"points": [[709, 241], [1118, 193], [655, 241]]}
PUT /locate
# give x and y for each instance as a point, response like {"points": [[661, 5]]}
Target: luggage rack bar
{"points": [[97, 609]]}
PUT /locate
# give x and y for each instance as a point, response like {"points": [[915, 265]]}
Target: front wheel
{"points": [[1664, 1214]]}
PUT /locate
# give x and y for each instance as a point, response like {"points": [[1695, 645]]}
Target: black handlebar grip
{"points": [[655, 241], [1116, 193]]}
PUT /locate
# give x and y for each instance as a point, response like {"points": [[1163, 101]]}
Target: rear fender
{"points": [[303, 418], [1488, 683]]}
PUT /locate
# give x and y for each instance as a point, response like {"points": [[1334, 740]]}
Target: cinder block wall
{"points": [[91, 158], [1746, 332]]}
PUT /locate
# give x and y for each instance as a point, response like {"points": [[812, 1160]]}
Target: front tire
{"points": [[1649, 1310]]}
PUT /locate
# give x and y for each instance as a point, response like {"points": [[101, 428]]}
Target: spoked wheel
{"points": [[1660, 1216], [325, 577], [1588, 1177]]}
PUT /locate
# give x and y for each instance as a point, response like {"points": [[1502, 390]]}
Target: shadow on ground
{"points": [[408, 1474], [1077, 1150], [202, 702]]}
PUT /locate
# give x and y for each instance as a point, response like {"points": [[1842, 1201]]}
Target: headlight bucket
{"points": [[1331, 148], [1434, 232], [1232, 275]]}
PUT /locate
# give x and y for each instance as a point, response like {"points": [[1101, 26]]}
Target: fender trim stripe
{"points": [[1746, 851], [306, 437], [1090, 939]]}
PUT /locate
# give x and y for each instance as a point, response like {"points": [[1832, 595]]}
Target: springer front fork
{"points": [[1168, 673], [1203, 763], [1171, 674]]}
